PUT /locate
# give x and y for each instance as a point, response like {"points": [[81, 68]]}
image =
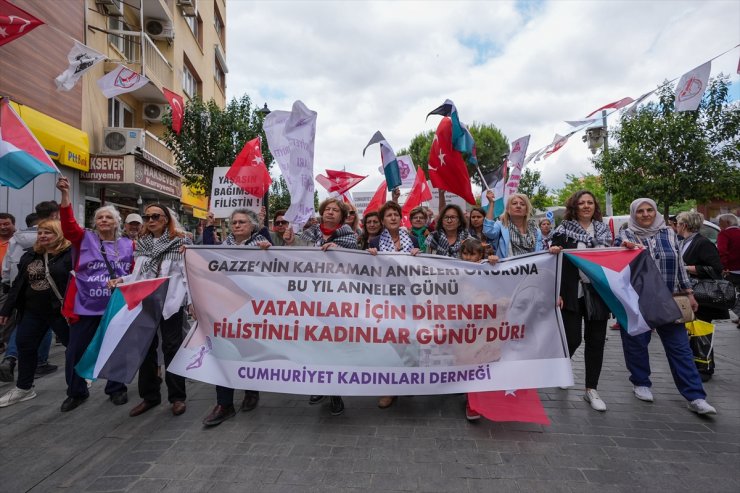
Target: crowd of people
{"points": [[37, 263]]}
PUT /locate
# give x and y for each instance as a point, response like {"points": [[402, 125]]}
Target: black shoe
{"points": [[6, 369], [72, 403], [219, 415], [314, 399], [336, 404], [251, 399], [119, 398], [45, 369]]}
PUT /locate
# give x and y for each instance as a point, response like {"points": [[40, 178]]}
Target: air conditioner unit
{"points": [[118, 140], [159, 29], [189, 7], [111, 7], [154, 112]]}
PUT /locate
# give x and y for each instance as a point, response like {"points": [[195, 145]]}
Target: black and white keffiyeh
{"points": [[344, 237], [572, 229], [158, 249], [387, 245], [522, 243], [438, 244], [251, 241]]}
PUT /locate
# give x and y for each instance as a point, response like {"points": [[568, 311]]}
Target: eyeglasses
{"points": [[351, 213], [151, 217], [281, 223], [449, 219]]}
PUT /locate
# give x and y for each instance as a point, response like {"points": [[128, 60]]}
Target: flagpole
{"points": [[609, 209], [482, 178]]}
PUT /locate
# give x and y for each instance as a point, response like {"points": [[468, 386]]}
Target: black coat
{"points": [[703, 254], [60, 266]]}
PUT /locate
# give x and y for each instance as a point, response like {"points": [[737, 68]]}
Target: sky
{"points": [[524, 66]]}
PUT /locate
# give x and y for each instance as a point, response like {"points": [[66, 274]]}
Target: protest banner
{"points": [[227, 196], [345, 322]]}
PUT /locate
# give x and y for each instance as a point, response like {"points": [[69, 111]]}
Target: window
{"points": [[219, 74], [218, 23], [196, 27], [190, 81], [119, 114], [126, 44]]}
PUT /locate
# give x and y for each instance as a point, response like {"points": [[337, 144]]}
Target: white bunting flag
{"points": [[81, 59], [121, 81], [407, 170], [516, 164], [691, 87]]}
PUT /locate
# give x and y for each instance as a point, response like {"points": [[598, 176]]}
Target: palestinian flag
{"points": [[126, 331], [630, 284]]}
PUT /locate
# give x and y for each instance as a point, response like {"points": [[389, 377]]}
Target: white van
{"points": [[708, 229]]}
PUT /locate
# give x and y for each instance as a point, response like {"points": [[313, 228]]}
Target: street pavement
{"points": [[420, 444]]}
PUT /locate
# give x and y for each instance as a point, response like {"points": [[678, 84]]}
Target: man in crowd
{"points": [[132, 226]]}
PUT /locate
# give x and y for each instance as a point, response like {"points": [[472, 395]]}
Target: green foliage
{"points": [[674, 156], [213, 137], [594, 184], [530, 184], [489, 141]]}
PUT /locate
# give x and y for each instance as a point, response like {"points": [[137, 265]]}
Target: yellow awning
{"points": [[64, 143], [194, 198], [200, 213]]}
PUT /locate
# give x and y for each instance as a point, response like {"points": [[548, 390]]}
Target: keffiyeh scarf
{"points": [[344, 237], [522, 243], [387, 245], [439, 245], [158, 249], [573, 230], [252, 240]]}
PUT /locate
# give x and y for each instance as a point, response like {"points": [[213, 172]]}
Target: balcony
{"points": [[157, 152], [137, 51]]}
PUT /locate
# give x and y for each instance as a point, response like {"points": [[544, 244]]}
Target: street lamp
{"points": [[596, 137], [264, 111]]}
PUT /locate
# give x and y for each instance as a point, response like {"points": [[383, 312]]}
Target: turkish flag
{"points": [[509, 405], [178, 109], [249, 172], [339, 181], [447, 168], [419, 193], [15, 22], [378, 199]]}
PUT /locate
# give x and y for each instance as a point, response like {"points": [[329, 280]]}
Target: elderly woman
{"points": [[100, 254], [37, 296], [331, 232], [244, 225], [371, 228], [515, 233], [419, 229], [702, 261], [448, 236], [159, 253], [647, 229], [582, 305]]}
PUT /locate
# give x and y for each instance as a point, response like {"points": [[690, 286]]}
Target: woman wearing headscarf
{"points": [[515, 233], [647, 229], [159, 253], [582, 305], [36, 294], [100, 254], [451, 231]]}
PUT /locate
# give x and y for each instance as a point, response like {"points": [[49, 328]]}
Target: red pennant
{"points": [[249, 172], [339, 181], [509, 405], [15, 22], [178, 109], [613, 106], [378, 199], [419, 193], [447, 168]]}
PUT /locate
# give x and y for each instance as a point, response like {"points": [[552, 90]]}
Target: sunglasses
{"points": [[151, 217], [281, 223]]}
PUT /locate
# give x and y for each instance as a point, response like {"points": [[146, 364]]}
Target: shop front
{"points": [[194, 207]]}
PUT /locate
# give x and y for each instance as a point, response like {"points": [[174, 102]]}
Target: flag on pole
{"points": [[81, 59], [177, 106], [522, 405], [462, 139], [390, 163], [378, 199], [496, 181], [125, 331], [15, 22], [691, 87], [613, 106], [22, 158], [630, 284], [248, 170], [120, 81], [406, 169], [419, 193], [516, 164], [339, 181], [447, 169]]}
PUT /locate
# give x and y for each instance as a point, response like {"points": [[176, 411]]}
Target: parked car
{"points": [[708, 229]]}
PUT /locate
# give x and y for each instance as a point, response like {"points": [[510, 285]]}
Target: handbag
{"points": [[701, 337], [714, 293], [684, 305], [596, 309]]}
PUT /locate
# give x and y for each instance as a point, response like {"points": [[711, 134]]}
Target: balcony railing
{"points": [[156, 151], [137, 48]]}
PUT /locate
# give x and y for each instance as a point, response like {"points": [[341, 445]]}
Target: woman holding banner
{"points": [[331, 232], [419, 229], [647, 229], [582, 306], [448, 236], [371, 228], [515, 233], [244, 232]]}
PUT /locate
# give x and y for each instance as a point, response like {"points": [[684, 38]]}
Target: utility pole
{"points": [[609, 208]]}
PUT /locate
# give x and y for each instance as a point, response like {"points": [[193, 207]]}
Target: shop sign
{"points": [[105, 169], [154, 179]]}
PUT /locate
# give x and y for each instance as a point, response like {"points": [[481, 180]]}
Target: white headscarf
{"points": [[652, 230]]}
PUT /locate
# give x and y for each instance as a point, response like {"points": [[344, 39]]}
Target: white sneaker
{"points": [[643, 393], [592, 397], [16, 395], [700, 406]]}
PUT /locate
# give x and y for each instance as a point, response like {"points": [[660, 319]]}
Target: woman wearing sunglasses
{"points": [[159, 253]]}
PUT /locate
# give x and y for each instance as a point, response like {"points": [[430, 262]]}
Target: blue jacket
{"points": [[499, 236]]}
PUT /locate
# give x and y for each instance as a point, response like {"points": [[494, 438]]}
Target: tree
{"points": [[674, 156], [530, 184], [594, 184], [212, 137], [490, 145], [279, 197]]}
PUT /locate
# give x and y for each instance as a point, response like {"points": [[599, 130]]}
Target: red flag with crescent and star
{"points": [[249, 171], [178, 109], [15, 22], [377, 200], [447, 168], [339, 181], [419, 193], [522, 405]]}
